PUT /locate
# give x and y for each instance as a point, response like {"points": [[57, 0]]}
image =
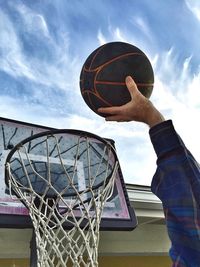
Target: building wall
{"points": [[146, 246], [135, 261], [107, 261], [146, 239]]}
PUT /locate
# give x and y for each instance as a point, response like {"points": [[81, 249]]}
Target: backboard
{"points": [[117, 213]]}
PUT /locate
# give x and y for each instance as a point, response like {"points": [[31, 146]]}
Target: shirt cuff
{"points": [[164, 138]]}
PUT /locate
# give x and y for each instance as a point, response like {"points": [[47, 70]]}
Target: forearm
{"points": [[154, 117], [177, 172], [165, 140], [177, 183]]}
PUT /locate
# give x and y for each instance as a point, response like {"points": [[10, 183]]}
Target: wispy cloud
{"points": [[49, 83], [142, 26], [32, 21], [194, 6], [12, 59], [176, 93], [101, 38], [15, 61]]}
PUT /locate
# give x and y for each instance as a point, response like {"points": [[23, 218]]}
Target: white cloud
{"points": [[193, 92], [194, 7], [61, 73], [115, 34], [33, 22], [101, 38], [12, 59], [142, 25], [176, 94], [118, 35]]}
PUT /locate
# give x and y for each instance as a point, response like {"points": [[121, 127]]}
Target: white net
{"points": [[56, 198]]}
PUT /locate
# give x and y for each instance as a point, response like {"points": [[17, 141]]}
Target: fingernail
{"points": [[128, 79]]}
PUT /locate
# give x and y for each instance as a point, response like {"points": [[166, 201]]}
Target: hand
{"points": [[138, 109]]}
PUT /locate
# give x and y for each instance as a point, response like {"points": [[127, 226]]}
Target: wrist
{"points": [[154, 118]]}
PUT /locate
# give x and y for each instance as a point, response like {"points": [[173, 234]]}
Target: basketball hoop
{"points": [[64, 187]]}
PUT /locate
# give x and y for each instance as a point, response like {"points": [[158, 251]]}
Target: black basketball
{"points": [[102, 79]]}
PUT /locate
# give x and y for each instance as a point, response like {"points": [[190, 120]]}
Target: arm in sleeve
{"points": [[177, 184]]}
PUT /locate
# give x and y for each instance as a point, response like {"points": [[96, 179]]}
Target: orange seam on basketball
{"points": [[91, 104], [96, 55], [98, 96], [121, 83], [95, 89], [112, 60], [106, 82]]}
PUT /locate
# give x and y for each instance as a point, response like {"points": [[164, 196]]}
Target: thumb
{"points": [[132, 87]]}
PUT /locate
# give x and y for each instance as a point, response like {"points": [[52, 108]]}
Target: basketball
{"points": [[102, 78]]}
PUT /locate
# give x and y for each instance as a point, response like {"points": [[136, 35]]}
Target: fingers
{"points": [[132, 87], [124, 112], [109, 110], [117, 118]]}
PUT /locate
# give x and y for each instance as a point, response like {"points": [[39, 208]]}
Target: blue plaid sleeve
{"points": [[177, 184]]}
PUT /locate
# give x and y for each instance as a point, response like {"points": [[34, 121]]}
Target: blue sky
{"points": [[43, 45]]}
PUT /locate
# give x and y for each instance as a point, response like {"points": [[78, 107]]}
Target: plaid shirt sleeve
{"points": [[177, 184]]}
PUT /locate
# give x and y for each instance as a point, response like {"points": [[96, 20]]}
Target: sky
{"points": [[43, 45]]}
